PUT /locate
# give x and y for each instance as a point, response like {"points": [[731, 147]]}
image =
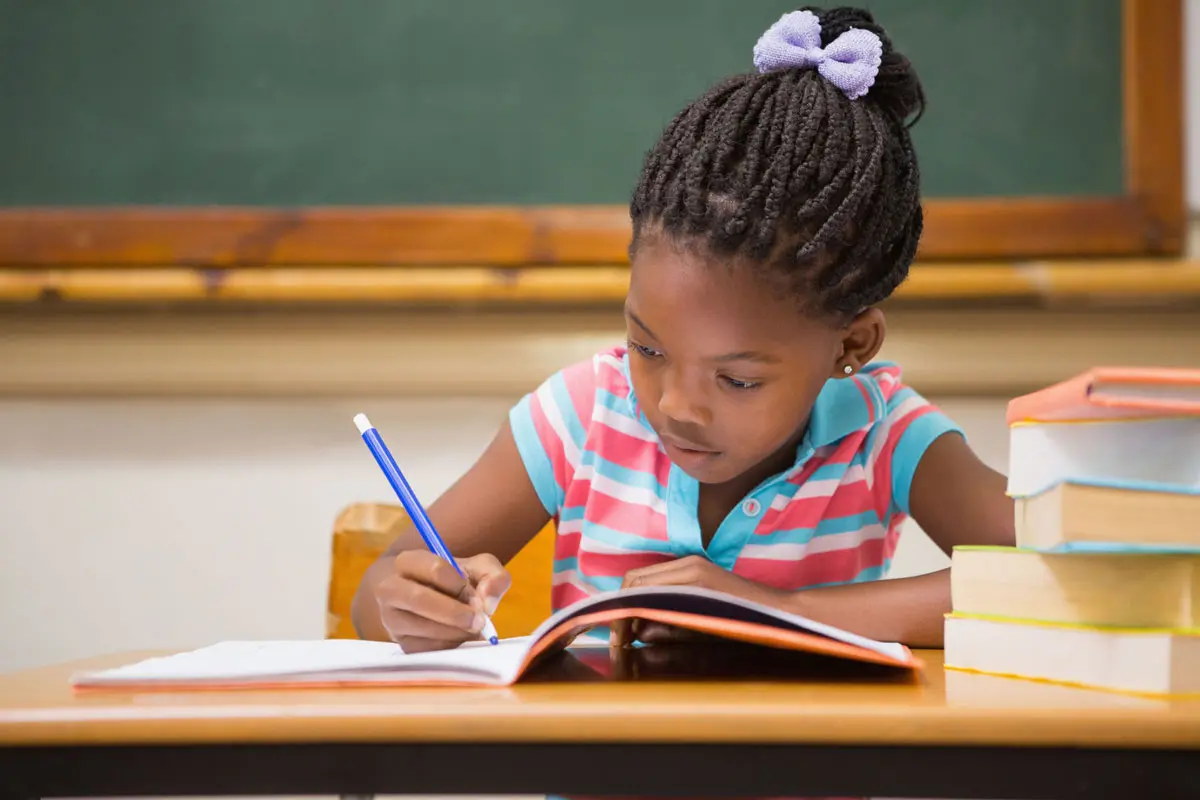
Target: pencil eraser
{"points": [[362, 422]]}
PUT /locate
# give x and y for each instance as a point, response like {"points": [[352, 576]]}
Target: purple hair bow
{"points": [[850, 62]]}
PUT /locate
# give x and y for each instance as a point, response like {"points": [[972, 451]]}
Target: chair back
{"points": [[362, 532]]}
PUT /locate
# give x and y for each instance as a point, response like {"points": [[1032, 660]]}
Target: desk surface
{"points": [[37, 707]]}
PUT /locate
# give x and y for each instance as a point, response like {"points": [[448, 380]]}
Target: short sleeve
{"points": [[550, 428], [911, 423]]}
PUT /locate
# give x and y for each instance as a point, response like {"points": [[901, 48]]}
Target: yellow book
{"points": [[1122, 589], [1081, 515], [1144, 661]]}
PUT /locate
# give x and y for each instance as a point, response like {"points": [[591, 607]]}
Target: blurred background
{"points": [[227, 227]]}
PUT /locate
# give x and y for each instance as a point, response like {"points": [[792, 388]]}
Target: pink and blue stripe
{"points": [[619, 503]]}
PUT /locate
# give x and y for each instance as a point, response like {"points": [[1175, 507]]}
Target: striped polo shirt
{"points": [[619, 503]]}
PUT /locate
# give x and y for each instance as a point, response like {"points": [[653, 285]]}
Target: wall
{"points": [[174, 521]]}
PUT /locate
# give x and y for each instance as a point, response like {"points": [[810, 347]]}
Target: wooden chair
{"points": [[362, 532]]}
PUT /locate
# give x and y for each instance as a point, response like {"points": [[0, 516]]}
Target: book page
{"points": [[1175, 393], [1160, 452], [254, 661]]}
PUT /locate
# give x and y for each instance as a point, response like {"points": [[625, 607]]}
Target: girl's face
{"points": [[725, 369]]}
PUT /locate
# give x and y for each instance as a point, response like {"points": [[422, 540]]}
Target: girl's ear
{"points": [[861, 341]]}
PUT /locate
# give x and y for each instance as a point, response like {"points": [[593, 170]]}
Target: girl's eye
{"points": [[742, 385], [647, 352]]}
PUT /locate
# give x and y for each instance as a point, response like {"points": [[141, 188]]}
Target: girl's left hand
{"points": [[688, 571]]}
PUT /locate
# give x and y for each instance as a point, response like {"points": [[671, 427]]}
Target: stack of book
{"points": [[1103, 587]]}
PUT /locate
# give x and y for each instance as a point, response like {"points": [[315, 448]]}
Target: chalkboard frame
{"points": [[1147, 219]]}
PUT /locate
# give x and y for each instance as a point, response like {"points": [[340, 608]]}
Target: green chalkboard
{"points": [[315, 102]]}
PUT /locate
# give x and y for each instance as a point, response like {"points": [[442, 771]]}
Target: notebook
{"points": [[345, 662]]}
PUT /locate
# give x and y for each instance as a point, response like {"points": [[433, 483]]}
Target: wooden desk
{"points": [[947, 734]]}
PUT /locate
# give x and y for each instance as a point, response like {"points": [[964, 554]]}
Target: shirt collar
{"points": [[845, 405]]}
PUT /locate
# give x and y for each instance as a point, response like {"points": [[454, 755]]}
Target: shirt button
{"points": [[751, 507]]}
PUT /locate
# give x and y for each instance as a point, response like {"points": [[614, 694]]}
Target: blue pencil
{"points": [[412, 505]]}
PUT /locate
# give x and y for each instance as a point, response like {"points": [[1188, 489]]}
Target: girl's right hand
{"points": [[424, 604]]}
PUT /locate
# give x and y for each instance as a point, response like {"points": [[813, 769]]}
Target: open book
{"points": [[335, 662]]}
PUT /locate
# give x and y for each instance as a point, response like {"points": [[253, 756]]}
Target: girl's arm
{"points": [[485, 518], [955, 498]]}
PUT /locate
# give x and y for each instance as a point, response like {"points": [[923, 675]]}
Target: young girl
{"points": [[744, 440]]}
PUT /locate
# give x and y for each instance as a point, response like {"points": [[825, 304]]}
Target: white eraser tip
{"points": [[362, 422]]}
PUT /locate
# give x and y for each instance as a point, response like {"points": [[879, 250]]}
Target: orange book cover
{"points": [[1110, 393]]}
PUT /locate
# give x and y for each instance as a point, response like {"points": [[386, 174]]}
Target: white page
{"points": [[1172, 393], [1160, 451], [341, 659]]}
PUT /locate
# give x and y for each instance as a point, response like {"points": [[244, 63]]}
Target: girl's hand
{"points": [[689, 571], [424, 604]]}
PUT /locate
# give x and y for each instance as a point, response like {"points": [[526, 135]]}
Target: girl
{"points": [[744, 439]]}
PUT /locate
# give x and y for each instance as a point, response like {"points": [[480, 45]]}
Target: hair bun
{"points": [[896, 87]]}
